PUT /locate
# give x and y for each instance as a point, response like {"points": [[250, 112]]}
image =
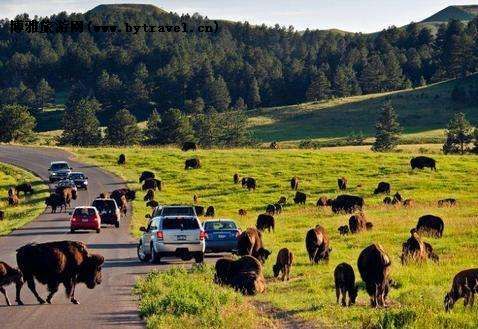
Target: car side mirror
{"points": [[147, 216], [71, 168], [142, 229]]}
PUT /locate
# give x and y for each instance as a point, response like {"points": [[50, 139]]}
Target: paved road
{"points": [[109, 305]]}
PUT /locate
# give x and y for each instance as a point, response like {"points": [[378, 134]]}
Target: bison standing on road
{"points": [[187, 146], [423, 162], [54, 201], [300, 198], [9, 275], [199, 210], [192, 164], [383, 187], [431, 225], [294, 183], [374, 267], [265, 221], [52, 263], [283, 264], [249, 242], [317, 244], [26, 188], [344, 278], [342, 183], [347, 203], [465, 285], [244, 274]]}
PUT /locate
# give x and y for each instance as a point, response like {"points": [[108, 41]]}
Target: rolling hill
{"points": [[461, 13]]}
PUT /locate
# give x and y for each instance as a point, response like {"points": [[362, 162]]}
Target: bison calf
{"points": [[9, 275], [343, 230], [465, 285], [121, 159], [342, 183], [344, 278], [242, 212], [447, 203], [300, 198], [283, 264]]}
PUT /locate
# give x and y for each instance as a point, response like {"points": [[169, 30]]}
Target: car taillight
{"points": [[159, 235], [202, 235]]}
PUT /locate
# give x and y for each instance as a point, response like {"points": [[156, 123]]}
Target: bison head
{"points": [[276, 269], [263, 254], [90, 271], [449, 301]]}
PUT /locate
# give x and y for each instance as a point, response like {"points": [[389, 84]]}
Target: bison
{"points": [[343, 230], [146, 175], [374, 267], [317, 244], [282, 200], [52, 263], [383, 187], [278, 207], [210, 211], [13, 200], [249, 242], [397, 198], [294, 183], [357, 223], [274, 146], [265, 221], [323, 201], [408, 203], [26, 188], [431, 225], [151, 184], [423, 162], [121, 159], [235, 178], [192, 164], [127, 193], [447, 202], [244, 274], [55, 201], [283, 264], [417, 250], [242, 212], [2, 215], [465, 285], [271, 209], [249, 183], [387, 200], [149, 195], [300, 198], [344, 278], [189, 146], [12, 191], [199, 210], [342, 183], [152, 204], [347, 203], [9, 275]]}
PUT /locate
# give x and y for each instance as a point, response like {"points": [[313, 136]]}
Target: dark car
{"points": [[221, 235], [81, 181], [108, 210]]}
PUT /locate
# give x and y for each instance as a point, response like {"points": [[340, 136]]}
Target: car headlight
{"points": [[53, 173], [85, 182]]}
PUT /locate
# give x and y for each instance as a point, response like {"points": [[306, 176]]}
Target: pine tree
{"points": [[153, 128], [123, 129], [17, 124], [475, 145], [373, 75], [388, 130], [253, 98], [175, 128], [394, 74], [240, 105], [319, 87], [459, 134], [218, 94], [80, 124], [44, 94]]}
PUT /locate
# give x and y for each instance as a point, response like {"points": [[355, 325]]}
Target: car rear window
{"points": [[178, 211], [185, 223], [77, 176], [84, 212], [220, 226], [59, 166], [104, 205]]}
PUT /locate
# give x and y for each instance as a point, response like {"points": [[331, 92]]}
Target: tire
{"points": [[98, 230], [155, 257], [141, 255], [116, 224], [199, 257]]}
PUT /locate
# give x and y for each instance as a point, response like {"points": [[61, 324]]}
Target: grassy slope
{"points": [[310, 293], [30, 207], [420, 111]]}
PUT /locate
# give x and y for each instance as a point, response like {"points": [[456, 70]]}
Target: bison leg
{"points": [[52, 288], [2, 290], [31, 285], [344, 295], [284, 272], [18, 288], [288, 272], [337, 293], [70, 291]]}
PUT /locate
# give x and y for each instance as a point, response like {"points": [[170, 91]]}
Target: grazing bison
{"points": [[199, 210], [192, 164], [26, 188], [244, 274], [344, 278], [9, 275], [300, 197], [414, 249], [357, 223], [387, 200], [283, 264], [374, 267], [383, 187], [210, 211], [343, 230], [189, 146], [447, 203], [13, 200], [282, 200], [242, 212], [271, 209], [294, 183], [342, 183], [12, 191], [235, 178], [317, 244], [149, 195], [2, 215], [151, 184], [52, 263], [265, 221], [278, 207], [129, 194], [249, 242], [323, 202], [55, 201], [146, 175], [249, 183], [409, 203], [431, 225], [465, 285], [274, 146], [347, 203], [122, 159], [152, 204], [397, 197], [423, 162]]}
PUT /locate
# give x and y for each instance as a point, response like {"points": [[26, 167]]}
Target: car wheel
{"points": [[116, 224], [142, 256], [199, 257], [155, 257], [98, 230]]}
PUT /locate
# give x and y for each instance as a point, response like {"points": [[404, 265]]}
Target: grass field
{"points": [[423, 113], [30, 206], [416, 302]]}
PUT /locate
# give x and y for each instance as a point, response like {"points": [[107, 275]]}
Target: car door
{"points": [[146, 238]]}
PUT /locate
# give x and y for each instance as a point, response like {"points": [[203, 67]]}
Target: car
{"points": [[80, 179], [59, 170], [85, 218], [221, 235], [178, 235], [66, 183], [109, 211]]}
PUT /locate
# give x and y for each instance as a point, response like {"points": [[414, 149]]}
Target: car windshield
{"points": [[222, 225], [84, 212], [184, 223], [76, 176], [104, 205], [66, 183], [59, 166], [178, 211]]}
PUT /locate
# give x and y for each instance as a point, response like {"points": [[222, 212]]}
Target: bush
{"points": [[309, 144]]}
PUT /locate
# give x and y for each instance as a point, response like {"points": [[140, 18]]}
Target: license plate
{"points": [[221, 236], [85, 220], [181, 237]]}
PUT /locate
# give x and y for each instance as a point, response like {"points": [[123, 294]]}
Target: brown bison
{"points": [[192, 164], [414, 249], [382, 187], [123, 204], [282, 200], [13, 200], [9, 275], [294, 183], [283, 264], [151, 184], [146, 175], [347, 203], [189, 146], [149, 195], [300, 198], [26, 188], [357, 223], [265, 222], [374, 267], [244, 274], [323, 202], [447, 203], [210, 211], [408, 203], [235, 178], [242, 212], [127, 193], [342, 183], [344, 278], [423, 162], [431, 225], [52, 263], [343, 230], [249, 242], [55, 201], [121, 159], [465, 285], [271, 209], [317, 244], [249, 183]]}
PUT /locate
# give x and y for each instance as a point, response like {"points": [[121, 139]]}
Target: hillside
{"points": [[461, 13], [422, 112], [111, 9]]}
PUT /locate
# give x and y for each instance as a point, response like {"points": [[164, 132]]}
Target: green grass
{"points": [[423, 113], [30, 206], [418, 300]]}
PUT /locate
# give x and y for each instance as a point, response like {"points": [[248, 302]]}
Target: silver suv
{"points": [[176, 232], [59, 170]]}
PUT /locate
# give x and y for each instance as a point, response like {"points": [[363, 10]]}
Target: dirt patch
{"points": [[281, 318]]}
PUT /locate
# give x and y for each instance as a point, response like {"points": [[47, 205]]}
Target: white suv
{"points": [[169, 235]]}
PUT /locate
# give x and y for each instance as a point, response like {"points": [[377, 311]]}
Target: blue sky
{"points": [[349, 15]]}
